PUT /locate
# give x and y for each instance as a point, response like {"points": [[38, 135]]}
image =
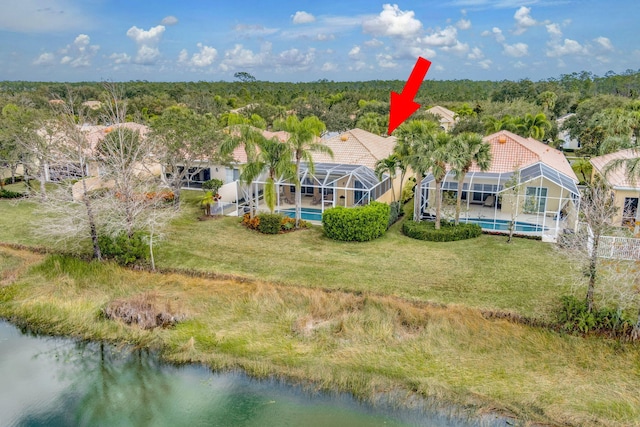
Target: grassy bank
{"points": [[360, 343], [525, 276]]}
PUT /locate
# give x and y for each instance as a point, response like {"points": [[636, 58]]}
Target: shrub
{"points": [[7, 194], [448, 232], [574, 316], [395, 212], [358, 224], [123, 249], [251, 223], [270, 223], [212, 185], [16, 179]]}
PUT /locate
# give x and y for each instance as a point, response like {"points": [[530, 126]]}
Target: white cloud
{"points": [[355, 52], [302, 17], [329, 66], [523, 20], [446, 37], [324, 37], [463, 24], [516, 50], [554, 30], [147, 41], [120, 58], [458, 48], [485, 64], [169, 20], [604, 43], [476, 54], [569, 47], [295, 59], [80, 52], [385, 61], [259, 31], [239, 57], [496, 33], [358, 66], [203, 58], [373, 43], [393, 22], [46, 58]]}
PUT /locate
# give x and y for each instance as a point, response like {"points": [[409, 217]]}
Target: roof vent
{"points": [[343, 137], [502, 139]]}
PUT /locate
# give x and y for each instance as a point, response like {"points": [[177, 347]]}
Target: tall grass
{"points": [[361, 343], [526, 277]]}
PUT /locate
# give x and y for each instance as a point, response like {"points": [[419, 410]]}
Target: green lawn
{"points": [[525, 276]]}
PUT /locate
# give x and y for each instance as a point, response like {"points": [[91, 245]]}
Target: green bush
{"points": [[269, 223], [124, 250], [574, 316], [16, 179], [395, 212], [7, 194], [212, 185], [358, 224], [448, 232]]}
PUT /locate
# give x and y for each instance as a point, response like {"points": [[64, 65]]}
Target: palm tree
{"points": [[274, 157], [466, 149], [583, 167], [535, 126], [248, 137], [411, 135], [302, 143], [371, 122], [389, 166]]}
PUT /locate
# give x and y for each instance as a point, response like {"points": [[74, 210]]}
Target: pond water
{"points": [[48, 381]]}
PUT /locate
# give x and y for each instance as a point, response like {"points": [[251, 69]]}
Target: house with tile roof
{"points": [[543, 198], [625, 192], [446, 117], [347, 178]]}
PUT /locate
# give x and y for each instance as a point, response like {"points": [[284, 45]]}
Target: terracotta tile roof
{"points": [[95, 133], [445, 114], [516, 151], [240, 156], [617, 178], [356, 147]]}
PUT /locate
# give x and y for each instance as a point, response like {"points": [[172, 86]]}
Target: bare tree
{"points": [[513, 196], [597, 210], [71, 209]]}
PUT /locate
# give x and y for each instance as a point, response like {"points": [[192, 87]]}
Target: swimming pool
{"points": [[503, 225], [308, 214]]}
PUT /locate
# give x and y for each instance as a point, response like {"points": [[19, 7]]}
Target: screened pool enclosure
{"points": [[328, 186], [542, 200]]}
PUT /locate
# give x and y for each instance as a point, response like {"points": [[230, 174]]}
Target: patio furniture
{"points": [[489, 201]]}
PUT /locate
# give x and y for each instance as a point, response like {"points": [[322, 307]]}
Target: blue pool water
{"points": [[503, 225], [308, 214]]}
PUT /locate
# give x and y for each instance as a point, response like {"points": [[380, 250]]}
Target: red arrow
{"points": [[402, 104]]}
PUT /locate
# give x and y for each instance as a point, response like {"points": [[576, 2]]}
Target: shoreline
{"points": [[360, 344]]}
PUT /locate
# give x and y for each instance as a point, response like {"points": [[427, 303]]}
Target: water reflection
{"points": [[55, 382]]}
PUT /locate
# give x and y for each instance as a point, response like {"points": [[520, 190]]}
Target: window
{"points": [[630, 211], [482, 191], [535, 200]]}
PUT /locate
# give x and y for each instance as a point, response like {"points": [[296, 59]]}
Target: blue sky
{"points": [[345, 40]]}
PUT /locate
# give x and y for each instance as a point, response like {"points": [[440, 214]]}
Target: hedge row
{"points": [[7, 194], [448, 232], [358, 224]]}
